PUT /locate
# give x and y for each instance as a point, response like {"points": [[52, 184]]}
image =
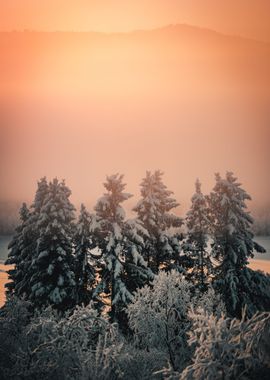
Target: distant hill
{"points": [[37, 62]]}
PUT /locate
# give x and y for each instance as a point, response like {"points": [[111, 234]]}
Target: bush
{"points": [[228, 348], [14, 318], [158, 316], [81, 345]]}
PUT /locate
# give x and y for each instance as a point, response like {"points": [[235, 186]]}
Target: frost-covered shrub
{"points": [[77, 346], [103, 361], [141, 364], [158, 316], [81, 345], [69, 346], [210, 302], [228, 348], [14, 317]]}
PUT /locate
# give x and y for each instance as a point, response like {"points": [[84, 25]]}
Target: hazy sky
{"points": [[243, 17], [183, 100]]}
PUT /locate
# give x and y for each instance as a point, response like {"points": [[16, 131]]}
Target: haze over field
{"points": [[187, 100]]}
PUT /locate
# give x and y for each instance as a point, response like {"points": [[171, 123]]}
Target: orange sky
{"points": [[242, 17], [184, 100]]}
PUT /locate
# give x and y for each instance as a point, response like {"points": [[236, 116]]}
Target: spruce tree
{"points": [[162, 249], [17, 255], [233, 243], [85, 264], [137, 273], [32, 232], [123, 266], [198, 224], [53, 281], [40, 196], [28, 236]]}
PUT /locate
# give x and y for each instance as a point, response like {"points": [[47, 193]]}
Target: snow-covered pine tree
{"points": [[28, 240], [119, 241], [162, 249], [53, 281], [41, 193], [137, 273], [85, 273], [32, 231], [233, 242], [198, 223], [18, 250]]}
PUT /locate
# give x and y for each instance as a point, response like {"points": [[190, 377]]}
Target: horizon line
{"points": [[139, 30]]}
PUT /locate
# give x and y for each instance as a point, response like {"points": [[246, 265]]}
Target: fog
{"points": [[184, 100]]}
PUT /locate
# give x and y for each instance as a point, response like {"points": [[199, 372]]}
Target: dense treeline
{"points": [[136, 293]]}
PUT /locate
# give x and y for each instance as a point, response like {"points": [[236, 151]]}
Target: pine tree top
{"points": [[109, 205], [41, 194], [156, 202], [197, 219], [24, 212], [228, 201]]}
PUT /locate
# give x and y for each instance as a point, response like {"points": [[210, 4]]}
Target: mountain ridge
{"points": [[169, 28]]}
